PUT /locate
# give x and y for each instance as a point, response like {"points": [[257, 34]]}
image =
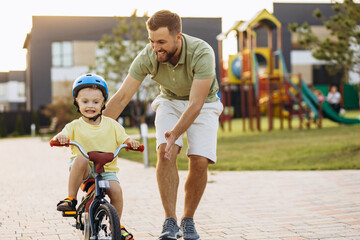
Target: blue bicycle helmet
{"points": [[90, 80]]}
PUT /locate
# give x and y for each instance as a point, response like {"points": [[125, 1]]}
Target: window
{"points": [[62, 54], [2, 89], [21, 89]]}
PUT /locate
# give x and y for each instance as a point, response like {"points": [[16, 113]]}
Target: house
{"points": [[12, 91], [60, 48], [300, 60]]}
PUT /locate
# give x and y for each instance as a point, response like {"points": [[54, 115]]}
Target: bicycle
{"points": [[95, 216]]}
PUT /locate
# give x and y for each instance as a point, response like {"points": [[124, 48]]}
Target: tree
{"points": [[341, 49], [118, 52]]}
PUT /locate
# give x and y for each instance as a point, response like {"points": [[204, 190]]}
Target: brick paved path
{"points": [[236, 205]]}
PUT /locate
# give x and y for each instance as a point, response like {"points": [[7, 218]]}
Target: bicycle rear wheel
{"points": [[107, 222], [87, 228]]}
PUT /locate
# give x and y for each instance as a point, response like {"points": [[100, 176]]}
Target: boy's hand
{"points": [[133, 143], [61, 138]]}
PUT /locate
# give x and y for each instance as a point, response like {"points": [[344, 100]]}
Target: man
{"points": [[184, 67]]}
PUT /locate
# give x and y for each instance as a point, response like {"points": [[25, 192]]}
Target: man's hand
{"points": [[170, 143]]}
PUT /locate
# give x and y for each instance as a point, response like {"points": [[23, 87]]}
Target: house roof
{"points": [[27, 39]]}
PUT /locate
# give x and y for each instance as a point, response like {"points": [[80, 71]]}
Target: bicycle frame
{"points": [[100, 192]]}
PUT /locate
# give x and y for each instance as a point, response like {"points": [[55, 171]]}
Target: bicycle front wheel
{"points": [[107, 223]]}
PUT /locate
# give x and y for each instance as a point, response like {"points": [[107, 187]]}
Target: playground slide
{"points": [[314, 107], [327, 110], [307, 99], [312, 102]]}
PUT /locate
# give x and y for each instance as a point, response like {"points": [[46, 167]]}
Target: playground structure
{"points": [[259, 72], [266, 87]]}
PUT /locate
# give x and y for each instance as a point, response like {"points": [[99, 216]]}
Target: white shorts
{"points": [[201, 135]]}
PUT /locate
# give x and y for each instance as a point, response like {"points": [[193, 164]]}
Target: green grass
{"points": [[332, 147]]}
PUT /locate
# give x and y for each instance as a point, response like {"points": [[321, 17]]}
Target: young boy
{"points": [[95, 133]]}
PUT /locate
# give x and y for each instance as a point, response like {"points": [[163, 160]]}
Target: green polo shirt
{"points": [[197, 61]]}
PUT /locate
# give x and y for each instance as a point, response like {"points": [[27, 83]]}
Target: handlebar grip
{"points": [[139, 149], [56, 143]]}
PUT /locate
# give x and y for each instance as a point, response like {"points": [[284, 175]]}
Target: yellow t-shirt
{"points": [[105, 137]]}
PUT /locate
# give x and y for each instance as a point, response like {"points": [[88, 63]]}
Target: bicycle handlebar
{"points": [[56, 143]]}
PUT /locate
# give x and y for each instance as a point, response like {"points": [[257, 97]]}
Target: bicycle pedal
{"points": [[69, 214]]}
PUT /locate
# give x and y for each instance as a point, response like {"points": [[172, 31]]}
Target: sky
{"points": [[16, 16]]}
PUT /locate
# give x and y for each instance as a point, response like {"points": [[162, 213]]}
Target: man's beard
{"points": [[165, 56]]}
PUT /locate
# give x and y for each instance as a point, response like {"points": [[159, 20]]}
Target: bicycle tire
{"points": [[107, 222], [87, 229]]}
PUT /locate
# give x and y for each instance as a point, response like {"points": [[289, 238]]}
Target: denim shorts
{"points": [[110, 176]]}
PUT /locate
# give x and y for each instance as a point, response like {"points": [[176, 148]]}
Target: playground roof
{"points": [[262, 17], [223, 35]]}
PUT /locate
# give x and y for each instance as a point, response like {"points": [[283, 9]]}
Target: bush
{"points": [[19, 126], [3, 131], [64, 110]]}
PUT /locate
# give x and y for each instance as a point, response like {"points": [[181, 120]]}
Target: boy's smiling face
{"points": [[90, 101]]}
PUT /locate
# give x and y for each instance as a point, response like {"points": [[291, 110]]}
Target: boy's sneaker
{"points": [[187, 227], [170, 230]]}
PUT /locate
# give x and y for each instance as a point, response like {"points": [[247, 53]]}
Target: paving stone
{"points": [[271, 205]]}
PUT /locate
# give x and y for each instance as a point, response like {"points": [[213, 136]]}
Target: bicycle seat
{"points": [[100, 159]]}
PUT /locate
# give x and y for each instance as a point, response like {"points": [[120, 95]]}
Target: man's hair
{"points": [[164, 18]]}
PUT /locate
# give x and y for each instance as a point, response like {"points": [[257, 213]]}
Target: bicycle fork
{"points": [[100, 187]]}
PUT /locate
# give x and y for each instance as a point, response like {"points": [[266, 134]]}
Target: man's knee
{"points": [[161, 152], [198, 163]]}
